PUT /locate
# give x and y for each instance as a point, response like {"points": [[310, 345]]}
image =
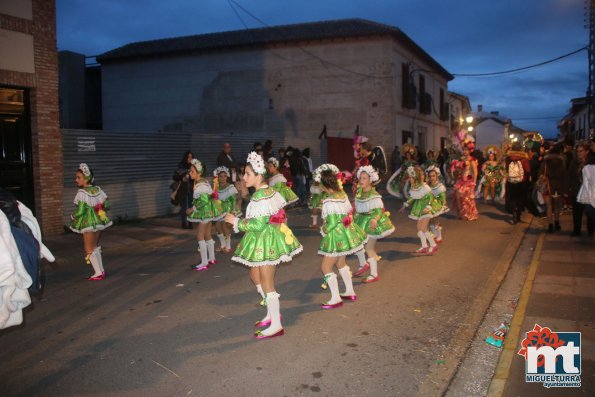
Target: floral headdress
{"points": [[257, 163], [408, 148], [433, 168], [273, 161], [411, 171], [84, 168], [221, 169], [368, 169], [324, 167], [197, 165], [492, 149]]}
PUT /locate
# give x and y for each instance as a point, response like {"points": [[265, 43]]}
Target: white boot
{"points": [[273, 307], [211, 252], [424, 243], [314, 220], [333, 285], [433, 247], [97, 251], [222, 241], [204, 261], [228, 242], [98, 275], [346, 276]]}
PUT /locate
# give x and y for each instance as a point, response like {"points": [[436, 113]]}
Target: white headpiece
{"points": [[85, 169], [273, 161], [198, 165], [368, 169], [410, 171], [221, 169], [257, 163], [324, 167], [433, 168]]}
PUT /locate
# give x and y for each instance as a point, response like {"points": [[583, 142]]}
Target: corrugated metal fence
{"points": [[136, 168]]}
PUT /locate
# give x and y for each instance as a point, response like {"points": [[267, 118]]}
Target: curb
{"points": [[502, 371], [440, 377]]}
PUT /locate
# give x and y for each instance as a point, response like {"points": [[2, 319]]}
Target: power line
{"points": [[521, 68]]}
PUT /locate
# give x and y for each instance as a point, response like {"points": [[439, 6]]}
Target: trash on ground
{"points": [[497, 337]]}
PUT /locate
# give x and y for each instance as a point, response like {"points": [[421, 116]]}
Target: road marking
{"points": [[505, 362]]}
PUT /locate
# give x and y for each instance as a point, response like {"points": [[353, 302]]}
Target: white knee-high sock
{"points": [[373, 267], [228, 241], [95, 263], [333, 285], [259, 290], [430, 239], [221, 240], [314, 219], [422, 238], [361, 257], [204, 259], [346, 276], [274, 310], [211, 249], [97, 251]]}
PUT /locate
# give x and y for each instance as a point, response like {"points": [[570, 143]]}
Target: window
{"points": [[407, 88]]}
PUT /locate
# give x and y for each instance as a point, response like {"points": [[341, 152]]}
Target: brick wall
{"points": [[45, 133]]}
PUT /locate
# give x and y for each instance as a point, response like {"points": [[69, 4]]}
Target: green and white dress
{"points": [[368, 206], [279, 183], [267, 239], [420, 201], [205, 209], [91, 205], [316, 195], [337, 238], [228, 195], [439, 204]]}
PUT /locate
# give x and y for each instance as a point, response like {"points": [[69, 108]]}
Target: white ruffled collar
{"points": [[227, 192], [89, 198], [439, 188], [335, 205], [265, 206], [277, 178], [420, 191]]}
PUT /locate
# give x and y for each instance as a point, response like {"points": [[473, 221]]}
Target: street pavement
{"points": [[154, 327]]}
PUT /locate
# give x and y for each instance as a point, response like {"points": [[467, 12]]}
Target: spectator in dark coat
{"points": [[226, 159], [184, 196], [553, 170], [516, 189]]}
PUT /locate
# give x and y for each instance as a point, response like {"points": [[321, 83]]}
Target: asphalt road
{"points": [[156, 328]]}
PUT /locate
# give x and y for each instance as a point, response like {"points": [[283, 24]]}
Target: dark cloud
{"points": [[464, 36]]}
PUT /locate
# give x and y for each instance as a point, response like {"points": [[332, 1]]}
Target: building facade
{"points": [[31, 152], [285, 83]]}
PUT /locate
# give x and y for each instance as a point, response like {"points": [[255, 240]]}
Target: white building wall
{"points": [[489, 132]]}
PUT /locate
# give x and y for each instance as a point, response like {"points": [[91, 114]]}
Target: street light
{"points": [[469, 119]]}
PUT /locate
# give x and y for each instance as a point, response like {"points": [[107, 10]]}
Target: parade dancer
{"points": [[267, 241], [398, 183], [340, 236], [493, 175], [464, 173], [439, 204], [90, 218], [371, 216], [227, 194], [278, 182], [205, 209], [420, 201]]}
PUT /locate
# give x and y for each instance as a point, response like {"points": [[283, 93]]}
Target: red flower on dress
{"points": [[279, 218]]}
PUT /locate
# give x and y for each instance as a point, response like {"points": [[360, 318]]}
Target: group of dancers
{"points": [[346, 229]]}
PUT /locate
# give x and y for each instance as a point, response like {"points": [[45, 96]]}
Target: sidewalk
{"points": [[559, 293]]}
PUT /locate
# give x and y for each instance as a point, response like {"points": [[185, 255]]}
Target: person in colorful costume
{"points": [[278, 182], [398, 183], [227, 194], [90, 218], [493, 175], [340, 235], [206, 208], [439, 204], [371, 216], [315, 204], [266, 243], [423, 209], [464, 173]]}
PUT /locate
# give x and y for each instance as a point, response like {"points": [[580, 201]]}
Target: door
{"points": [[16, 174]]}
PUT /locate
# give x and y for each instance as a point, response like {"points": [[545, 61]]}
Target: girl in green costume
{"points": [[372, 218], [90, 218], [266, 243], [205, 209], [227, 194], [278, 182], [420, 201], [340, 236], [439, 204]]}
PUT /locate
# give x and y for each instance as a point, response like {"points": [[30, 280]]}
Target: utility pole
{"points": [[590, 24]]}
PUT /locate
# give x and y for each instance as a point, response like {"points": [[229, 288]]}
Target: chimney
{"points": [[480, 108]]}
